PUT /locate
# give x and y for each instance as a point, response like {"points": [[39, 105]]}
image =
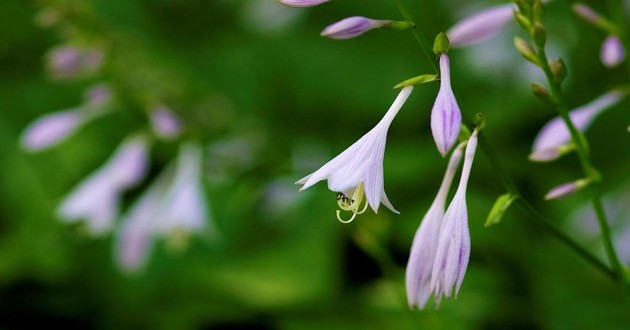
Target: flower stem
{"points": [[422, 41]]}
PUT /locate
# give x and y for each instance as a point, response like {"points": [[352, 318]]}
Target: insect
{"points": [[342, 199]]}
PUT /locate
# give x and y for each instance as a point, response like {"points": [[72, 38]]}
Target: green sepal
{"points": [[480, 121], [421, 79], [441, 44], [399, 25], [498, 209]]}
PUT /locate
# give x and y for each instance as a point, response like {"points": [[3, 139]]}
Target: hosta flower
{"points": [[554, 139], [51, 129], [165, 123], [420, 265], [352, 27], [96, 200], [301, 3], [172, 207], [480, 26], [357, 173], [453, 248], [566, 189], [612, 53], [72, 61], [446, 118]]}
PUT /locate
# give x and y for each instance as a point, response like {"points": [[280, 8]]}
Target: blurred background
{"points": [[270, 101]]}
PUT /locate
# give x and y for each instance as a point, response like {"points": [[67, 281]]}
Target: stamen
{"points": [[354, 215]]}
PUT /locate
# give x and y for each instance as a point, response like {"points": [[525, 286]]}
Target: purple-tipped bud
{"points": [[51, 129], [446, 118], [301, 3], [351, 27], [165, 123], [98, 95], [70, 61], [612, 53], [586, 13], [480, 26], [566, 189]]}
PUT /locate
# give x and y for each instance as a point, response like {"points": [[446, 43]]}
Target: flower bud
{"points": [[541, 92], [566, 189], [586, 13], [526, 50], [351, 27], [539, 35], [301, 3], [612, 53], [480, 26], [558, 69], [441, 44]]}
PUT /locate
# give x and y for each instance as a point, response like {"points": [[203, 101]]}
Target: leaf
{"points": [[500, 206]]}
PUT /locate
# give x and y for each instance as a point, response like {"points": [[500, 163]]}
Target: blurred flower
{"points": [[51, 129], [453, 247], [566, 189], [301, 3], [173, 207], [480, 26], [351, 27], [554, 139], [67, 62], [96, 200], [98, 96], [165, 123], [586, 13], [446, 118], [420, 265], [612, 53], [358, 171]]}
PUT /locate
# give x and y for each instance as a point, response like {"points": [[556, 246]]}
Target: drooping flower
{"points": [[301, 3], [172, 207], [612, 53], [165, 123], [566, 189], [554, 139], [358, 171], [352, 27], [96, 200], [446, 119], [453, 248], [480, 26], [420, 265], [51, 129]]}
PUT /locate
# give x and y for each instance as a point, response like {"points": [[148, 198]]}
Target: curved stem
{"points": [[422, 41]]}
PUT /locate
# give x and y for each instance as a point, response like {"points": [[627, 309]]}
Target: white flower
{"points": [[96, 200], [453, 250], [446, 119], [420, 265], [358, 171]]}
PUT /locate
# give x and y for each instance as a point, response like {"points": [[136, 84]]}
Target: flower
{"points": [[51, 129], [554, 139], [446, 118], [301, 3], [480, 26], [453, 247], [165, 123], [586, 13], [351, 27], [566, 189], [358, 171], [172, 207], [96, 200], [66, 62], [420, 265], [612, 53]]}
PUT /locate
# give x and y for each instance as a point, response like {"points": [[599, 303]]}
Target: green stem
{"points": [[589, 171], [422, 41]]}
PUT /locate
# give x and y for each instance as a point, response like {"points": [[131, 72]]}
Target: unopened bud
{"points": [[526, 50], [566, 189], [441, 44], [537, 11], [351, 27], [524, 7], [558, 69], [301, 3], [539, 35], [523, 21], [541, 92]]}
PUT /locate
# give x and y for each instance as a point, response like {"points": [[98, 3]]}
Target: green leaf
{"points": [[500, 206]]}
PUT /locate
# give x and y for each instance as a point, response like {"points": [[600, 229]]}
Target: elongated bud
{"points": [[526, 50], [351, 27], [539, 35], [523, 21], [558, 69], [301, 3], [586, 13], [524, 7], [541, 92], [612, 53], [441, 44], [480, 26], [566, 189], [537, 11]]}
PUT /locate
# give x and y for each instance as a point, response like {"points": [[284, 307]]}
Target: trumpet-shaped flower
{"points": [[420, 265], [446, 119], [357, 173], [96, 200], [352, 27], [554, 139], [453, 247], [301, 3], [612, 53], [480, 26]]}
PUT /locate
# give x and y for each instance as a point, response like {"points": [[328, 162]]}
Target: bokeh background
{"points": [[272, 101]]}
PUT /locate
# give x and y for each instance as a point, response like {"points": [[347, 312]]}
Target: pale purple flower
{"points": [[554, 139], [51, 129], [96, 200], [446, 118], [301, 3], [165, 123], [98, 96], [480, 26], [358, 171], [72, 61], [612, 53], [453, 248], [566, 189], [352, 27], [420, 265], [586, 12]]}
